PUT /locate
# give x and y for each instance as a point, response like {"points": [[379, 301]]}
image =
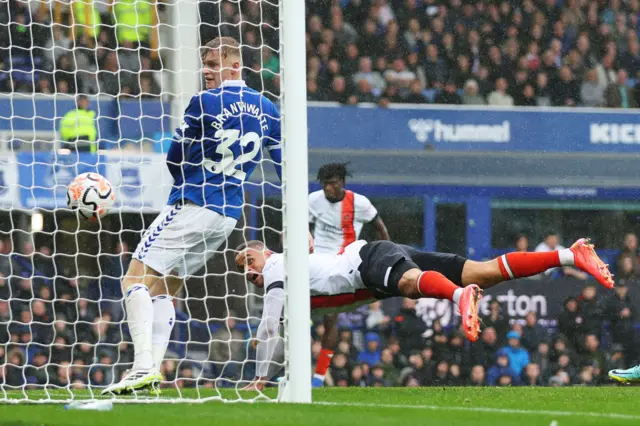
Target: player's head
{"points": [[250, 260], [332, 177], [221, 60]]}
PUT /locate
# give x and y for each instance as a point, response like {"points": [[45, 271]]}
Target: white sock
{"points": [[164, 317], [566, 257], [457, 294], [140, 320]]}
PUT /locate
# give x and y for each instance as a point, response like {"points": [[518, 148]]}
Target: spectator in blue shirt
{"points": [[518, 356], [371, 354], [501, 368]]}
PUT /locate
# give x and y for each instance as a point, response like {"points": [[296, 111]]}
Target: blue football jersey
{"points": [[220, 143]]}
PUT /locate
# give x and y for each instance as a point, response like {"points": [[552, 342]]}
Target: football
{"points": [[91, 195]]}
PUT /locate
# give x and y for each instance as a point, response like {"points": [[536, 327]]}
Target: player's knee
{"points": [[481, 273], [408, 284], [170, 285], [134, 275], [139, 273]]}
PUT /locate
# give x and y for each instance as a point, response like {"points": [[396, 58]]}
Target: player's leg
{"points": [[388, 270], [214, 232], [525, 264], [139, 306], [630, 375], [416, 283], [136, 286], [329, 343], [159, 252], [164, 315]]}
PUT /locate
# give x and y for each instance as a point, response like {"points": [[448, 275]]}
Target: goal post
{"points": [[296, 206], [184, 57]]}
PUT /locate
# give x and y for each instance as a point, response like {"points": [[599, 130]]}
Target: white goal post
{"points": [[58, 261], [295, 186]]}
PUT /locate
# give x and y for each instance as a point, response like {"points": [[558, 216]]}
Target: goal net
{"points": [[63, 326]]}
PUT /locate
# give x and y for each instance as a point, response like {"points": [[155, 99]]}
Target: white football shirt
{"points": [[329, 274], [335, 286], [338, 224]]}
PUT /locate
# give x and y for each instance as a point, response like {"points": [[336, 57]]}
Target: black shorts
{"points": [[384, 263]]}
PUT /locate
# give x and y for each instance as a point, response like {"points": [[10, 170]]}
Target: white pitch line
{"points": [[486, 410]]}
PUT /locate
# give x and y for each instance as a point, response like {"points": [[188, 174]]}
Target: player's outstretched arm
{"points": [[267, 334]]}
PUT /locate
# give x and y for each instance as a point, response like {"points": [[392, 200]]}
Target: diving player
{"points": [[383, 269]]}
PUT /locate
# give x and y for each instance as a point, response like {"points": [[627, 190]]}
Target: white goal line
{"points": [[486, 410]]}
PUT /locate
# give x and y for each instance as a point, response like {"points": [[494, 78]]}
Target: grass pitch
{"points": [[364, 406]]}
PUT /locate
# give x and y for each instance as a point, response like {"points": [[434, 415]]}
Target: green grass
{"points": [[363, 406]]}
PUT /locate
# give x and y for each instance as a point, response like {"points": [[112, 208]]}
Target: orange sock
{"points": [[434, 284], [526, 264], [324, 361]]}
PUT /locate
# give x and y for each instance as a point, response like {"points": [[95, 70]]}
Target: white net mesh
{"points": [[63, 330]]}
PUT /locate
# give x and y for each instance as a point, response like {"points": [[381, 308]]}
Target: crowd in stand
{"points": [[503, 53], [54, 330], [57, 331], [395, 352], [56, 47]]}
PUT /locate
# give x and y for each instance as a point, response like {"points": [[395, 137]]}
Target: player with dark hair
{"points": [[331, 170], [336, 218], [383, 269], [337, 215], [214, 151]]}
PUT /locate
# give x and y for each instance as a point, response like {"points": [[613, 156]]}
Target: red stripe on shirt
{"points": [[346, 220], [338, 300]]}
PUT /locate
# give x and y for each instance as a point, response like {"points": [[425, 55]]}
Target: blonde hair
{"points": [[227, 46]]}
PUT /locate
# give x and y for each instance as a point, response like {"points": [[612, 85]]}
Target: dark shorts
{"points": [[384, 263]]}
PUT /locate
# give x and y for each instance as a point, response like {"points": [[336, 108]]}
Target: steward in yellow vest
{"points": [[78, 127], [134, 19], [86, 17]]}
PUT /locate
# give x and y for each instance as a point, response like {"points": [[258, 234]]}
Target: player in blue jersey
{"points": [[215, 150]]}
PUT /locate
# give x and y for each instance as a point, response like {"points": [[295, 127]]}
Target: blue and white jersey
{"points": [[219, 144]]}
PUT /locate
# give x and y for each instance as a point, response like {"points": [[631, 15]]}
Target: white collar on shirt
{"points": [[233, 83]]}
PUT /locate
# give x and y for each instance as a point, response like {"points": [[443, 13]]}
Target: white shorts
{"points": [[182, 238]]}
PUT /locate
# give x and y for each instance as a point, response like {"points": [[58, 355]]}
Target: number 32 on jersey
{"points": [[228, 163]]}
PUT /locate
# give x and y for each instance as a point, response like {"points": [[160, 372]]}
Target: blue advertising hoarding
{"points": [[474, 129], [117, 119], [141, 182], [43, 177], [400, 127]]}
